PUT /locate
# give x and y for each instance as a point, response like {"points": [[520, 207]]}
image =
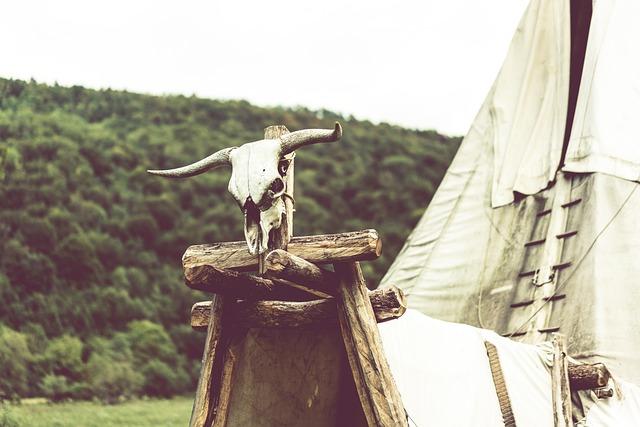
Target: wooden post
{"points": [[379, 396], [203, 405], [280, 236], [215, 390], [560, 389]]}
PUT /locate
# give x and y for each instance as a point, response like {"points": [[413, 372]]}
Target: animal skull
{"points": [[257, 181]]}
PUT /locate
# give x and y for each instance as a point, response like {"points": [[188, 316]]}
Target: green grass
{"points": [[139, 413]]}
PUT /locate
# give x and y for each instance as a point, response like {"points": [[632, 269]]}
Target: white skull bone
{"points": [[257, 186], [256, 182]]}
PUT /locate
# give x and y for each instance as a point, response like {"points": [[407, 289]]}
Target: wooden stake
{"points": [[560, 390], [203, 406], [376, 388]]}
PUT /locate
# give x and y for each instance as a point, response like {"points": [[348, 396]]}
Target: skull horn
{"points": [[294, 140], [217, 159]]}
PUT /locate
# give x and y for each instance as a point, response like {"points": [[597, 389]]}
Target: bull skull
{"points": [[257, 172]]}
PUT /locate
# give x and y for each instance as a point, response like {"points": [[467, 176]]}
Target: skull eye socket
{"points": [[283, 166]]}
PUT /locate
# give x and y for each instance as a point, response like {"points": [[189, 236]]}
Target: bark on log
{"points": [[379, 396], [587, 377], [231, 283], [281, 264], [388, 304], [322, 249], [203, 405]]}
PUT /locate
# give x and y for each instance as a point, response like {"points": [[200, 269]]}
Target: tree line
{"points": [[90, 245]]}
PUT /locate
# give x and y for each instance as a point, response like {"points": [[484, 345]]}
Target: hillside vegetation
{"points": [[93, 301]]}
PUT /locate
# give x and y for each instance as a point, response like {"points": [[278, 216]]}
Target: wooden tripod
{"points": [[292, 290]]}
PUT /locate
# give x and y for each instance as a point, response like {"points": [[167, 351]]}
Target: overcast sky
{"points": [[424, 64]]}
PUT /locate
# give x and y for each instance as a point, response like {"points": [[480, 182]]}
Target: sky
{"points": [[424, 64]]}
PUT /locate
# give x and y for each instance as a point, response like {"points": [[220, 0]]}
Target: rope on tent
{"points": [[582, 258], [501, 388]]}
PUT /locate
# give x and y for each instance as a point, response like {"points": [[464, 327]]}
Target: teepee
{"points": [[534, 227]]}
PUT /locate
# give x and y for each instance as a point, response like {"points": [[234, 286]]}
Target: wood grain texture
{"points": [[379, 396], [587, 377], [388, 304], [322, 249], [234, 284], [560, 389], [225, 382], [202, 405], [281, 264]]}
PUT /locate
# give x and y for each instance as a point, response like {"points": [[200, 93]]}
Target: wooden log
{"points": [[281, 264], [560, 389], [203, 406], [322, 249], [231, 283], [588, 376], [387, 303], [379, 396]]}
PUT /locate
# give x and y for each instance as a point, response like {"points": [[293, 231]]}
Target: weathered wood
{"points": [[231, 283], [225, 381], [560, 389], [202, 405], [281, 264], [323, 249], [387, 303], [587, 377], [376, 388], [279, 237]]}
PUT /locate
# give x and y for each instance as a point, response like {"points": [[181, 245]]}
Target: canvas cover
{"points": [[443, 374], [472, 262], [604, 137]]}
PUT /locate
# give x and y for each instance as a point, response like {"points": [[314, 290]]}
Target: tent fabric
{"points": [[623, 409], [528, 103], [443, 375], [442, 372], [469, 262], [604, 136]]}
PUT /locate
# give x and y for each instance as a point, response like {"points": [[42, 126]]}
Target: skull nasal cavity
{"points": [[251, 210], [276, 186]]}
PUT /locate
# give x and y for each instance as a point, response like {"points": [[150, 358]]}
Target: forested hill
{"points": [[90, 244]]}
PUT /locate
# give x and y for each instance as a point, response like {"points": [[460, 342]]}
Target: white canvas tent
{"points": [[534, 228]]}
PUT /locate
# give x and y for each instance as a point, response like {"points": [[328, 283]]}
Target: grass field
{"points": [[139, 413]]}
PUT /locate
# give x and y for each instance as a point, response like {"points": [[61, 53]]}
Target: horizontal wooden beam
{"points": [[588, 376], [387, 303], [238, 285], [362, 245], [281, 264]]}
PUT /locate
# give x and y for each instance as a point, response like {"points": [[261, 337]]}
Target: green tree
{"points": [[112, 379], [14, 360], [63, 356]]}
